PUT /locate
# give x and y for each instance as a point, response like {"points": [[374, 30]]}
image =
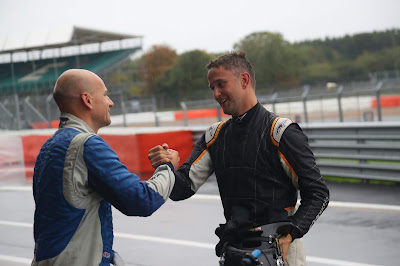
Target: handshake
{"points": [[162, 154]]}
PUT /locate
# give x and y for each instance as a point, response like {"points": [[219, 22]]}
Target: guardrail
{"points": [[368, 151], [361, 150]]}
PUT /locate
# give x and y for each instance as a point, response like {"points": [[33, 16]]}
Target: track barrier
{"points": [[18, 152]]}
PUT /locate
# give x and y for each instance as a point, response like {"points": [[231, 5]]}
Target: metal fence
{"points": [[344, 103], [28, 112], [360, 150], [38, 111], [360, 102], [357, 150]]}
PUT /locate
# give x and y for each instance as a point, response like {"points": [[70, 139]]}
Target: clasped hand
{"points": [[161, 154]]}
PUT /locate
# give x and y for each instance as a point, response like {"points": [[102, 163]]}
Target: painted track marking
{"points": [[178, 242]]}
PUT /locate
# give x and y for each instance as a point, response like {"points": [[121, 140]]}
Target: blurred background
{"points": [[332, 66], [314, 63]]}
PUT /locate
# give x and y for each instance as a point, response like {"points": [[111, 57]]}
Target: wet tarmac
{"points": [[182, 233]]}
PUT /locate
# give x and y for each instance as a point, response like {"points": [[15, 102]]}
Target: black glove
{"points": [[234, 232]]}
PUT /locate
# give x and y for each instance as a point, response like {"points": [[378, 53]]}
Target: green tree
{"points": [[314, 54], [187, 80], [320, 73], [275, 60], [351, 46], [386, 59], [155, 62]]}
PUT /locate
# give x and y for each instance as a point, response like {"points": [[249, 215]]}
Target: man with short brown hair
{"points": [[260, 161]]}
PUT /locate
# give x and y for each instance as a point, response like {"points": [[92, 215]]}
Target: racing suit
{"points": [[77, 177], [259, 160]]}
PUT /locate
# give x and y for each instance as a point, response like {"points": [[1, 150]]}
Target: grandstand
{"points": [[31, 63]]}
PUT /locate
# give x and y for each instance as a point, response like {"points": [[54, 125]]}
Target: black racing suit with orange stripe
{"points": [[252, 156]]}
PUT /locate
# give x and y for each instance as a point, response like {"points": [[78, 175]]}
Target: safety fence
{"points": [[360, 150], [367, 151], [365, 101]]}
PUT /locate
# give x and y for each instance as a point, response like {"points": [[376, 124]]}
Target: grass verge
{"points": [[359, 181]]}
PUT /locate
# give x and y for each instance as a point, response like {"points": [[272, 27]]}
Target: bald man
{"points": [[78, 177]]}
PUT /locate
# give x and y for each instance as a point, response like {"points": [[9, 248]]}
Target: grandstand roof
{"points": [[57, 38]]}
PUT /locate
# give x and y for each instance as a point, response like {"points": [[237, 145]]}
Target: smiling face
{"points": [[228, 90]]}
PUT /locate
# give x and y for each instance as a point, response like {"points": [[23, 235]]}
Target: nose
{"points": [[216, 93], [111, 102]]}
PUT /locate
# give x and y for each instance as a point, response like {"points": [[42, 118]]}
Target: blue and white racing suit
{"points": [[77, 177]]}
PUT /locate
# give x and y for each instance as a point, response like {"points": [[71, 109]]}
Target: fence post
{"points": [[339, 95], [123, 110], [157, 122], [306, 89], [273, 100], [378, 100], [18, 111], [17, 106], [48, 108], [185, 118]]}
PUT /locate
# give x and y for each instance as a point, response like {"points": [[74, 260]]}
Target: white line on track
{"points": [[165, 240], [16, 224], [16, 188], [24, 261], [332, 204], [323, 261]]}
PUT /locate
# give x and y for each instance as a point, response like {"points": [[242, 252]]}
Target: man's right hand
{"points": [[175, 158], [161, 154]]}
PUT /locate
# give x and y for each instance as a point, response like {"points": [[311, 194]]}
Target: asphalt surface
{"points": [[182, 233]]}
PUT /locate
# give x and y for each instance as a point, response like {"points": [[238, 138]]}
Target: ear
{"points": [[245, 80], [87, 100]]}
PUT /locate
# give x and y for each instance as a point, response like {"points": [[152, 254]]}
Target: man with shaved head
{"points": [[77, 177], [83, 94]]}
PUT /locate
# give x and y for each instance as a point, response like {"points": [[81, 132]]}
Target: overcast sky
{"points": [[210, 25]]}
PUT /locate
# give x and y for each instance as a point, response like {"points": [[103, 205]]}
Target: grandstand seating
{"points": [[47, 70]]}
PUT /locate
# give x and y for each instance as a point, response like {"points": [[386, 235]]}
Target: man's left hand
{"points": [[284, 242]]}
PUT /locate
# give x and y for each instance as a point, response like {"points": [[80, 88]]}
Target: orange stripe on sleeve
{"points": [[211, 142], [201, 155], [216, 134], [288, 164], [272, 132]]}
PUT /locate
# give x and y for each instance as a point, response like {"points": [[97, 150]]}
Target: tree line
{"points": [[279, 64]]}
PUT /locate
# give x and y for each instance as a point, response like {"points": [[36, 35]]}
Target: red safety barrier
{"points": [[387, 101], [182, 141], [126, 146], [131, 149], [41, 125], [134, 149], [31, 147], [197, 114]]}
